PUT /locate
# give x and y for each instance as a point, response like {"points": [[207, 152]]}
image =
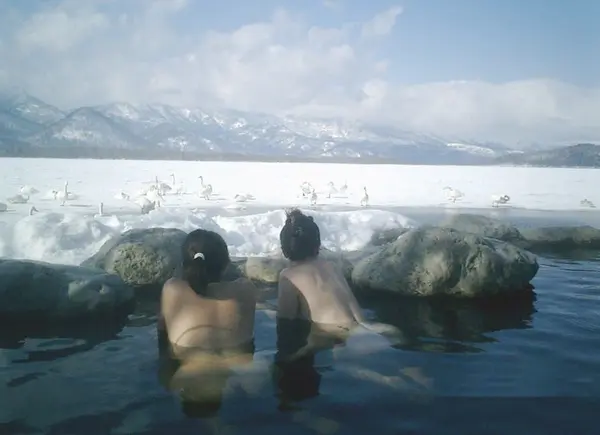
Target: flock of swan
{"points": [[453, 195], [307, 190], [152, 196]]}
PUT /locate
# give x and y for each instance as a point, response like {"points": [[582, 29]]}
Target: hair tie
{"points": [[198, 255]]}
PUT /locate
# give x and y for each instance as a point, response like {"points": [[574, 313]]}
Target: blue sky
{"points": [[438, 40], [506, 70]]}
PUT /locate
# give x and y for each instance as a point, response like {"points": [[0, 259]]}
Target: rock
{"points": [[141, 257], [561, 238], [383, 237], [432, 261], [483, 226], [54, 291], [267, 269], [235, 269]]}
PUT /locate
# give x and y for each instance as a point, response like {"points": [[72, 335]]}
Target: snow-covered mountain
{"points": [[160, 128]]}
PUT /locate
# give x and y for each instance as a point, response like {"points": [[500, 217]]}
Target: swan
{"points": [[28, 190], [331, 189], [587, 203], [33, 210], [499, 199], [364, 202], [64, 195], [313, 197], [243, 197], [206, 191], [306, 189], [161, 186], [145, 204], [179, 188], [3, 207], [343, 189], [453, 194], [122, 195], [155, 197], [18, 199]]}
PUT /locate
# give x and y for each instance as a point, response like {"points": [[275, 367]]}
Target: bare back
{"points": [[221, 319], [317, 291]]}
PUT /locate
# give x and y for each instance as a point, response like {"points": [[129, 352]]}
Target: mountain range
{"points": [[30, 127]]}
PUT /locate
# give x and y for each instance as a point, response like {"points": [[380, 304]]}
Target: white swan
{"points": [[587, 203], [3, 207], [145, 204], [306, 188], [122, 195], [156, 197], [343, 189], [18, 199], [499, 199], [240, 197], [28, 190], [364, 201], [33, 210], [206, 191], [161, 186], [331, 190], [178, 188], [64, 195], [453, 194], [313, 197]]}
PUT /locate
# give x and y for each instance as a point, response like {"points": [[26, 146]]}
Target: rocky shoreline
{"points": [[465, 257]]}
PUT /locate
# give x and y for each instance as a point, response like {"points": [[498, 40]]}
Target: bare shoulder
{"points": [[286, 273]]}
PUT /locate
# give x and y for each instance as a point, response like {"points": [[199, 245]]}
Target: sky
{"points": [[511, 71]]}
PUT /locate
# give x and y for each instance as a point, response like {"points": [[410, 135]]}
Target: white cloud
{"points": [[95, 51], [382, 23]]}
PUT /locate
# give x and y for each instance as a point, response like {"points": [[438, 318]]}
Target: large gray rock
{"points": [[141, 257], [383, 237], [441, 261], [235, 269], [55, 291], [483, 226], [561, 238], [267, 269]]}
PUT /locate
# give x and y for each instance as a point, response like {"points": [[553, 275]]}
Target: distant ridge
{"points": [[585, 155], [30, 127]]}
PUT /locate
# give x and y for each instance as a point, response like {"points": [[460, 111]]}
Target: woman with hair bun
{"points": [[312, 288], [198, 311]]}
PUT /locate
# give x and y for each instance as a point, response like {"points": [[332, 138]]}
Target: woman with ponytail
{"points": [[198, 312]]}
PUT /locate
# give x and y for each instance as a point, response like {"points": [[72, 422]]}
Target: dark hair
{"points": [[300, 237], [205, 257]]}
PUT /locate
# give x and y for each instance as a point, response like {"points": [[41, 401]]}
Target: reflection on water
{"points": [[44, 342], [461, 367], [449, 325]]}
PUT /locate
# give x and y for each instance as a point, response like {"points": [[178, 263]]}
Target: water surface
{"points": [[531, 366]]}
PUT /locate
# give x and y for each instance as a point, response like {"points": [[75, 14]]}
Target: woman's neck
{"points": [[305, 261]]}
